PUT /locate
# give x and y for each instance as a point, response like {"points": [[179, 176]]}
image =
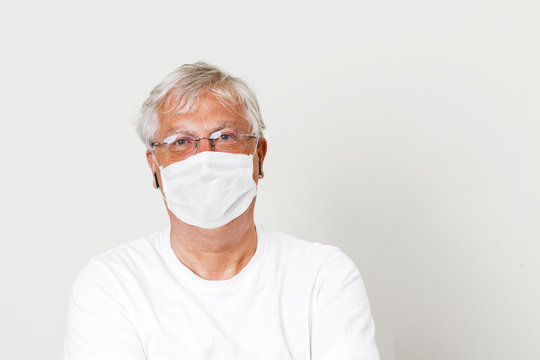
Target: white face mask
{"points": [[209, 189]]}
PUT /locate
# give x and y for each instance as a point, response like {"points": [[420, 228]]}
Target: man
{"points": [[214, 285]]}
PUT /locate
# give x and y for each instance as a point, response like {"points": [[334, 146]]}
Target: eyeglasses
{"points": [[182, 146]]}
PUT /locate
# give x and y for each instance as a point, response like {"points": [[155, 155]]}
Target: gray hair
{"points": [[183, 88]]}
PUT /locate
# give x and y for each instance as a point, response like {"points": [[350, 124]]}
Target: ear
{"points": [[154, 168], [262, 148]]}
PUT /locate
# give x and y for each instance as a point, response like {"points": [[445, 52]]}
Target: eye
{"points": [[226, 137], [181, 142]]}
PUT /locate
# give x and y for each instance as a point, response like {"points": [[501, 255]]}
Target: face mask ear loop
{"points": [[253, 155], [162, 181]]}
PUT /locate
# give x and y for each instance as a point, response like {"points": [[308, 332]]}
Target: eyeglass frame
{"points": [[214, 136]]}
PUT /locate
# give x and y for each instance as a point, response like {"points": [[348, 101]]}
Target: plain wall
{"points": [[404, 132]]}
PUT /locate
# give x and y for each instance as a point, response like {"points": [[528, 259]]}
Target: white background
{"points": [[405, 132]]}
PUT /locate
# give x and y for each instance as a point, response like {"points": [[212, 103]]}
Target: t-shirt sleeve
{"points": [[342, 325], [98, 327]]}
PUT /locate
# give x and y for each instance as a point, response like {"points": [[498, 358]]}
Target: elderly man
{"points": [[215, 285]]}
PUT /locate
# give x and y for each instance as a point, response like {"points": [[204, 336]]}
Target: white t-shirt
{"points": [[293, 300]]}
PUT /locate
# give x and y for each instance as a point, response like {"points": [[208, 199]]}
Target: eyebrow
{"points": [[216, 128]]}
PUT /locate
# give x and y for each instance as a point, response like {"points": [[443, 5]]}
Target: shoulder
{"points": [[119, 264], [142, 247], [311, 256], [293, 246], [137, 254]]}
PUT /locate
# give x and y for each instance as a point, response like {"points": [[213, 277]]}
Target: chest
{"points": [[261, 321]]}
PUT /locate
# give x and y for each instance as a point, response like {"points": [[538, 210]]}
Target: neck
{"points": [[215, 254]]}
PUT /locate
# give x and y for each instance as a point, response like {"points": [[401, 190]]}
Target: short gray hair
{"points": [[184, 87]]}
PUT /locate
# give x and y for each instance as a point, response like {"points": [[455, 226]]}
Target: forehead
{"points": [[207, 114]]}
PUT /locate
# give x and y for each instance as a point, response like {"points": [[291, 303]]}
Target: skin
{"points": [[212, 254]]}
